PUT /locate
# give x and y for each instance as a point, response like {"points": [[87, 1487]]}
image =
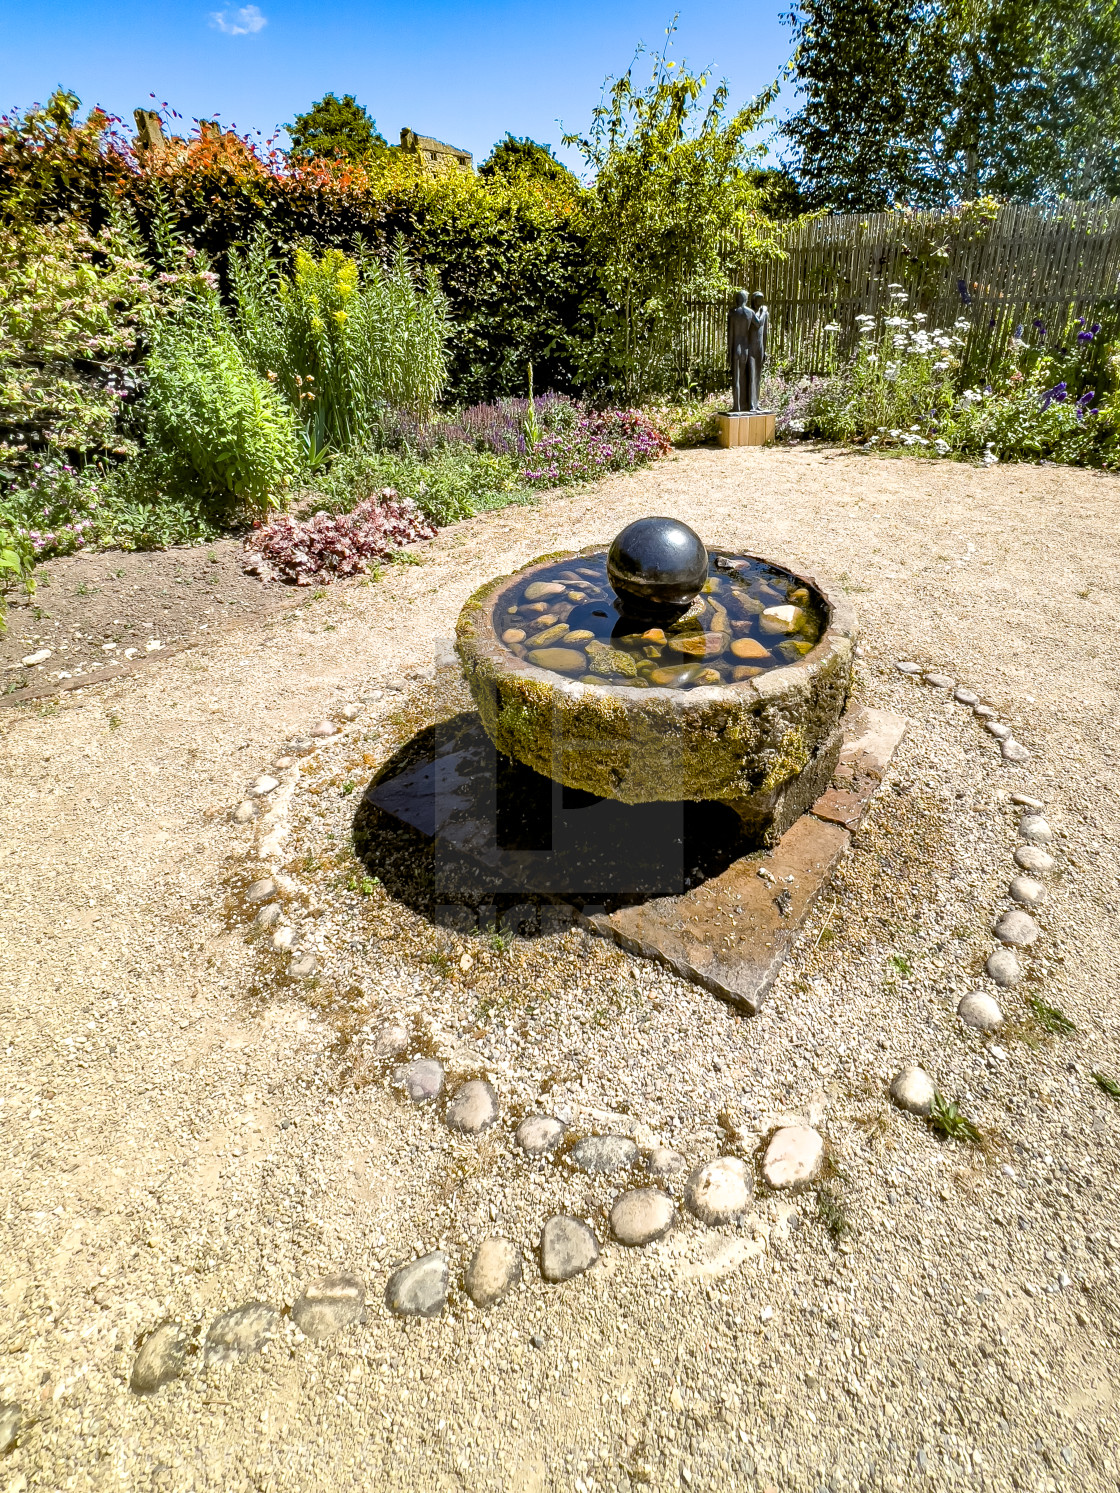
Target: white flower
{"points": [[898, 341], [941, 447], [915, 427], [890, 372], [833, 326], [961, 324], [896, 434], [895, 321], [920, 316], [797, 426]]}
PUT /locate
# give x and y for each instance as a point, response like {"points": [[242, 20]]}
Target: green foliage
{"points": [[342, 343], [671, 180], [335, 129], [449, 484], [947, 1120], [17, 563], [928, 102], [518, 156], [209, 408], [1107, 1085], [1050, 1018]]}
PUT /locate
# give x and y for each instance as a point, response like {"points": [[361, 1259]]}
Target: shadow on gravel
{"points": [[469, 838]]}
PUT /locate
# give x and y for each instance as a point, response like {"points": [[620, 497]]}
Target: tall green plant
{"points": [[342, 339], [210, 408]]}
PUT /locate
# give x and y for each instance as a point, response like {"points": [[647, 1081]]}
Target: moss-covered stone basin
{"points": [[766, 744]]}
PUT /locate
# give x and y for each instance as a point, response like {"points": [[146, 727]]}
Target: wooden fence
{"points": [[1000, 269]]}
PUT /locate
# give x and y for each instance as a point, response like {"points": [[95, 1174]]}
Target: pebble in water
{"points": [[605, 1153], [421, 1080], [474, 1107], [997, 729], [663, 1162], [980, 1011], [494, 1270], [1013, 751], [329, 1304], [719, 1191], [793, 1156], [419, 1289], [940, 681], [244, 1329], [162, 1358], [1031, 858], [641, 1216], [1003, 968], [965, 696], [1016, 928], [1034, 828], [538, 1134], [11, 1419], [912, 1090], [568, 1248], [1027, 892]]}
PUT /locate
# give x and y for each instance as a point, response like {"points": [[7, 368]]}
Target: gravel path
{"points": [[186, 1128]]}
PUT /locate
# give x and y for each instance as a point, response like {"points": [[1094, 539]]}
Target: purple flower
{"points": [[1084, 336], [1057, 395], [962, 291], [1082, 407]]}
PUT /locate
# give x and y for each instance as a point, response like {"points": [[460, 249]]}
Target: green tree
{"points": [[927, 102], [336, 129], [673, 179], [520, 156]]}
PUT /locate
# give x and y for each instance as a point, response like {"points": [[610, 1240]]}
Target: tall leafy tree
{"points": [[520, 156], [673, 176], [925, 102], [335, 129]]}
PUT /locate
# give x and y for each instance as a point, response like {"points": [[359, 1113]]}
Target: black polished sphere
{"points": [[657, 564]]}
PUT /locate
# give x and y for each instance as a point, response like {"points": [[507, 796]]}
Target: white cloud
{"points": [[244, 22]]}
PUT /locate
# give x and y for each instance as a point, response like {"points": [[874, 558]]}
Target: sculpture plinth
{"points": [[742, 429]]}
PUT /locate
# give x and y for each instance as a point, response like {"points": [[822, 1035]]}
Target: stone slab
{"points": [[733, 933], [746, 430]]}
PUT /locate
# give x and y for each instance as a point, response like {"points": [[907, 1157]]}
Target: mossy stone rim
{"points": [[725, 741]]}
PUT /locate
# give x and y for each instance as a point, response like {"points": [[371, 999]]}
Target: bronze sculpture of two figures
{"points": [[747, 326]]}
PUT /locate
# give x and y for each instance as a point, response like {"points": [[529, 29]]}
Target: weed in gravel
{"points": [[831, 1211], [440, 962], [1050, 1017], [500, 939], [901, 964], [948, 1120], [114, 723], [1109, 1085]]}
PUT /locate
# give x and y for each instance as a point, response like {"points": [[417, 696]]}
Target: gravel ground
{"points": [[186, 1128]]}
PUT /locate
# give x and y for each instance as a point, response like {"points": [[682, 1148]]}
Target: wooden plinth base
{"points": [[746, 430]]}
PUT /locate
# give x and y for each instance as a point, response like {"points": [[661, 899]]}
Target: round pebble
{"points": [[1003, 968], [605, 1153], [793, 1156], [641, 1216], [998, 729], [389, 1039], [261, 890], [268, 916], [474, 1107], [1026, 802], [283, 938], [419, 1289], [1031, 858], [1034, 828], [494, 1270], [329, 1304], [905, 667], [568, 1248], [912, 1090], [941, 681], [965, 696], [719, 1191], [283, 763], [980, 1011], [303, 967], [539, 1134], [1016, 928], [1013, 751], [350, 712], [244, 812], [1027, 892], [984, 712], [162, 1358], [244, 1329], [422, 1080], [263, 785], [11, 1419], [31, 659], [323, 729], [663, 1162]]}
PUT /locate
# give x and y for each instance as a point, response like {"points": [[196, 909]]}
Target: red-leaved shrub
{"points": [[330, 545]]}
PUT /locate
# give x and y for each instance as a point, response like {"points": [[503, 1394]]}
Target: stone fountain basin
{"points": [[767, 746]]}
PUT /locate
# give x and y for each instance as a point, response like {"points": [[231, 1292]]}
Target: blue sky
{"points": [[464, 72]]}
